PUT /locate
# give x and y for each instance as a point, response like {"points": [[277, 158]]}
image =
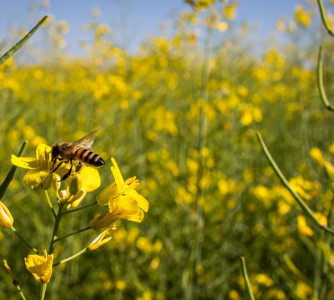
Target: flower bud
{"points": [[56, 181], [100, 240], [75, 185], [6, 219], [62, 195]]}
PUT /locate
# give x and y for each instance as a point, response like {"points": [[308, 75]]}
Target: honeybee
{"points": [[78, 151]]}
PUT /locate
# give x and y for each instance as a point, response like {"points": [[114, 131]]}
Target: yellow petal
{"points": [[90, 178], [127, 209], [6, 219], [108, 193], [103, 220], [75, 201], [40, 266], [24, 162], [33, 178], [43, 153], [117, 174], [132, 182], [100, 240], [142, 202]]}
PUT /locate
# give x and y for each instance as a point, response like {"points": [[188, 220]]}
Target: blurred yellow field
{"points": [[181, 115]]}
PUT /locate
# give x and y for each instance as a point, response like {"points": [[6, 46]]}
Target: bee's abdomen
{"points": [[89, 157]]}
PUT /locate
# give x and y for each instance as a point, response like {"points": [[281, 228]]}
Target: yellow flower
{"points": [[100, 240], [229, 10], [86, 180], [6, 219], [302, 226], [121, 189], [40, 266], [121, 208], [123, 201], [301, 16], [39, 167]]}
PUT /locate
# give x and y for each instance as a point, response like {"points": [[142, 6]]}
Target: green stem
{"points": [[80, 208], [48, 200], [70, 257], [245, 275], [15, 281], [24, 241], [43, 290], [52, 245], [323, 18], [320, 82], [55, 229], [20, 292], [285, 182], [20, 43], [72, 233], [11, 172]]}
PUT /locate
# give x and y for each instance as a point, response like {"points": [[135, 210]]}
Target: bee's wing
{"points": [[87, 141]]}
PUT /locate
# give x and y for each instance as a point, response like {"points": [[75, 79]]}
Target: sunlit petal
{"points": [[33, 178], [142, 202], [24, 162], [100, 240], [117, 174], [40, 266], [6, 219], [90, 178], [108, 193]]}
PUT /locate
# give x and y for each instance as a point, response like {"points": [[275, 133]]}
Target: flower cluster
{"points": [[123, 201]]}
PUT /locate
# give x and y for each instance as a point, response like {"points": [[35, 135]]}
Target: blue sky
{"points": [[135, 19]]}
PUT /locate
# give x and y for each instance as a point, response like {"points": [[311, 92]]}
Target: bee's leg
{"points": [[79, 166], [54, 160], [68, 173], [56, 168]]}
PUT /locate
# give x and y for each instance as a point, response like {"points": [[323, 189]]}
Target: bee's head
{"points": [[55, 150]]}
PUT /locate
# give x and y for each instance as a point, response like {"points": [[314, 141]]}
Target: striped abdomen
{"points": [[88, 157]]}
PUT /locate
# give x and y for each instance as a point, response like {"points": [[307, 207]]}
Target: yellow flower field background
{"points": [[182, 115]]}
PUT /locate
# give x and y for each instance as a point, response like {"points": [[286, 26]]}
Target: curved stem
{"points": [[320, 82], [70, 257], [245, 275], [80, 208], [285, 182], [20, 43], [24, 241], [48, 200], [10, 175], [72, 233], [323, 18]]}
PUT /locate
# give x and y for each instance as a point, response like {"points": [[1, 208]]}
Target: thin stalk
{"points": [[72, 233], [15, 281], [285, 182], [70, 257], [323, 18], [52, 245], [48, 201], [320, 82], [20, 292], [20, 43], [25, 242], [245, 275], [10, 175], [80, 208], [43, 290]]}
